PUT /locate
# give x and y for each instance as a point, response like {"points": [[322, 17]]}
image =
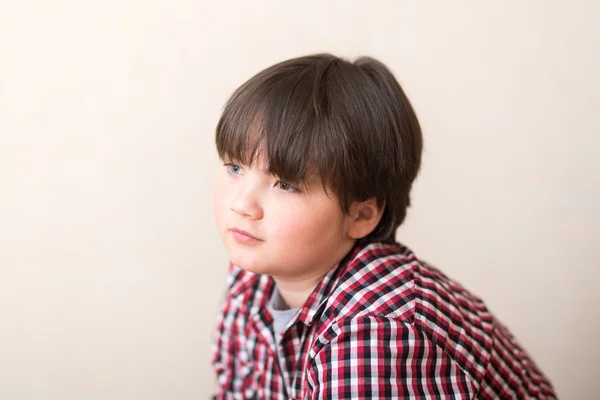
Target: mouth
{"points": [[243, 236]]}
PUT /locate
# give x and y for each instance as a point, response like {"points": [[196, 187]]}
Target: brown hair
{"points": [[349, 123]]}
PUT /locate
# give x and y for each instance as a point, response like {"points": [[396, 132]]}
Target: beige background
{"points": [[110, 267]]}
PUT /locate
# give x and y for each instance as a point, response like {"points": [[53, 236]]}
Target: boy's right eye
{"points": [[233, 169]]}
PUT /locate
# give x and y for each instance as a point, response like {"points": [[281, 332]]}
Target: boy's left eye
{"points": [[286, 187]]}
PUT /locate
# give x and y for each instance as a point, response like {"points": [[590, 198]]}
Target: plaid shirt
{"points": [[382, 324]]}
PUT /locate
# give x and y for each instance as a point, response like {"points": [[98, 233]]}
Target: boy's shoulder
{"points": [[389, 284], [389, 280]]}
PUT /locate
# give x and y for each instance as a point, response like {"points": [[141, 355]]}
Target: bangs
{"points": [[279, 115]]}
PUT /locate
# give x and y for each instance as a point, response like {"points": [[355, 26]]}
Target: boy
{"points": [[322, 303]]}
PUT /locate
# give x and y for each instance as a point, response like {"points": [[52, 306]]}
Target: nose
{"points": [[246, 202]]}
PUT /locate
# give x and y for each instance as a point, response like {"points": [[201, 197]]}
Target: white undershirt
{"points": [[282, 314]]}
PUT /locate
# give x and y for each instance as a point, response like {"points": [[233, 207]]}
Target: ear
{"points": [[363, 218]]}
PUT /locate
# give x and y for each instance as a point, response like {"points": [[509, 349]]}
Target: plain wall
{"points": [[111, 269]]}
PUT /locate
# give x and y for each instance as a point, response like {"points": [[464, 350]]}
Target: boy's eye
{"points": [[286, 187], [233, 169]]}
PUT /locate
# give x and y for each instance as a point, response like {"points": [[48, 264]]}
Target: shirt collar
{"points": [[319, 296]]}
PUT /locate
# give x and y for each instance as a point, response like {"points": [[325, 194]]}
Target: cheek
{"points": [[310, 226]]}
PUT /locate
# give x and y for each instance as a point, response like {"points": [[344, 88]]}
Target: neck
{"points": [[295, 290]]}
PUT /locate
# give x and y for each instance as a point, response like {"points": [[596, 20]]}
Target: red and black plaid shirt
{"points": [[382, 324]]}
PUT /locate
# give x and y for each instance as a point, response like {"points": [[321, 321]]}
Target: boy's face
{"points": [[291, 232]]}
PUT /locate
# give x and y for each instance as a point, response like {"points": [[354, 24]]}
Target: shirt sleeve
{"points": [[228, 353], [376, 357]]}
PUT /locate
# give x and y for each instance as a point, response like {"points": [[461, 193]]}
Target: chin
{"points": [[251, 267], [247, 262]]}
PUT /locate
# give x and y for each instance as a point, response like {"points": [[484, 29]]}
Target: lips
{"points": [[243, 236]]}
